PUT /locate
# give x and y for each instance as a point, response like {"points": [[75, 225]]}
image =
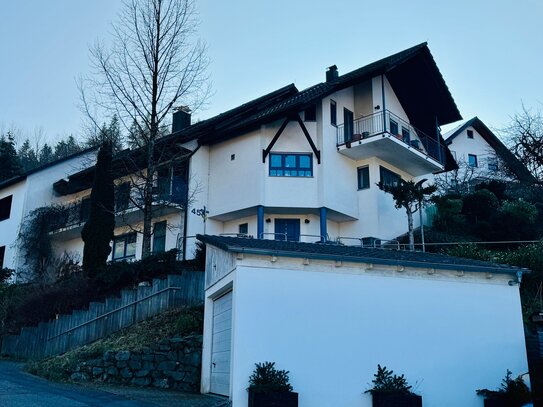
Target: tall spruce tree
{"points": [[10, 165], [27, 156], [98, 230]]}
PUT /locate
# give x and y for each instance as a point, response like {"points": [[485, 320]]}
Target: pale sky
{"points": [[489, 52]]}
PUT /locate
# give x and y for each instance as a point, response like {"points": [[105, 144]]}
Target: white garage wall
{"points": [[331, 329]]}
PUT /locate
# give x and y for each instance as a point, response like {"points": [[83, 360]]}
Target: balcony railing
{"points": [[77, 213], [386, 122]]}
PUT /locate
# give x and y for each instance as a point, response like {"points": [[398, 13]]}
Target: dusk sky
{"points": [[489, 52]]}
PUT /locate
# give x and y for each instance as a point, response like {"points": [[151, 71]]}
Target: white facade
{"points": [[31, 192], [233, 181], [331, 323]]}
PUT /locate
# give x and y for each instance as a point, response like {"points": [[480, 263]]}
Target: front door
{"points": [[287, 228]]}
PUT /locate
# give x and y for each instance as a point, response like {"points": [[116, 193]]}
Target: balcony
{"points": [[390, 138], [168, 198]]}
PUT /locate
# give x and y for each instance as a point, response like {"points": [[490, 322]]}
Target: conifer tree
{"points": [[98, 230], [27, 156], [10, 165]]}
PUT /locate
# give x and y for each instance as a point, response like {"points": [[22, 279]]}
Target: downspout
{"points": [[384, 102], [187, 209]]}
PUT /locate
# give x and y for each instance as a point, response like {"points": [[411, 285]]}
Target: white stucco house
{"points": [[294, 165], [330, 313], [482, 156]]}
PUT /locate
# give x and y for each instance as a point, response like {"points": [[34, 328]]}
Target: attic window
{"points": [[310, 114], [5, 207], [470, 133]]}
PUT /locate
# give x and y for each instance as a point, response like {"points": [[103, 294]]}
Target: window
{"points": [[348, 124], [2, 255], [5, 207], [363, 177], [493, 164], [310, 114], [163, 183], [406, 136], [291, 165], [388, 177], [472, 160], [243, 229], [159, 237], [124, 247], [393, 127], [122, 197], [470, 133], [333, 112]]}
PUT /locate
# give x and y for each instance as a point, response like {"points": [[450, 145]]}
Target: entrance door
{"points": [[289, 228], [221, 345], [348, 124]]}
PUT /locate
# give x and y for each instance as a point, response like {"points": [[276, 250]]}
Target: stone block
{"points": [[79, 377], [126, 373], [109, 356], [122, 363], [162, 383], [135, 356], [112, 371], [148, 356], [97, 371], [141, 381], [172, 355], [123, 355], [160, 357], [167, 365], [141, 373], [134, 364]]}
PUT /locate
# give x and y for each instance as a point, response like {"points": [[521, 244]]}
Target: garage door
{"points": [[221, 346]]}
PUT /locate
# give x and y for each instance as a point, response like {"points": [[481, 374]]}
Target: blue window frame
{"points": [[291, 165]]}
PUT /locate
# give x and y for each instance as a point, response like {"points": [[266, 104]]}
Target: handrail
{"points": [[379, 123], [112, 312]]}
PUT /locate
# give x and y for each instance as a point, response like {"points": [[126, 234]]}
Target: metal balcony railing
{"points": [[387, 122]]}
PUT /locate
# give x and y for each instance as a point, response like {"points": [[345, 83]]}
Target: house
{"points": [[290, 165], [482, 156], [329, 314], [22, 194]]}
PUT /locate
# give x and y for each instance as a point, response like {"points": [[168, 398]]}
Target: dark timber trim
{"points": [[295, 117]]}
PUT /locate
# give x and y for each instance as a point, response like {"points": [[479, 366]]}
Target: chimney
{"points": [[331, 73], [180, 119]]}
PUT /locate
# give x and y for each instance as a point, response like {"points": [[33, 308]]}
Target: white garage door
{"points": [[222, 340]]}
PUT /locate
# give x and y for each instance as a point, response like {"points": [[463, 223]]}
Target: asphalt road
{"points": [[18, 389]]}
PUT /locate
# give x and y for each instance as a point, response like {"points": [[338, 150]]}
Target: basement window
{"points": [[291, 165], [124, 247], [5, 207]]}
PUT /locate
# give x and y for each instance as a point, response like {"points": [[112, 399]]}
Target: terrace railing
{"points": [[386, 122]]}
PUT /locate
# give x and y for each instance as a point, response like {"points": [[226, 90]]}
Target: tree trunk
{"points": [[411, 233]]}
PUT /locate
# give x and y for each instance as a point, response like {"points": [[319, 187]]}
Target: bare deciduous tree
{"points": [[525, 134], [153, 65]]}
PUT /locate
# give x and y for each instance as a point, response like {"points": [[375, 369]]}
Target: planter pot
{"points": [[273, 399], [496, 402], [396, 400]]}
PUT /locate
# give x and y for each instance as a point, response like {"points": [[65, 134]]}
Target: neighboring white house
{"points": [[482, 156], [296, 165], [329, 314], [22, 194]]}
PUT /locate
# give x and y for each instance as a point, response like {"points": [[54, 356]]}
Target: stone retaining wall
{"points": [[171, 363]]}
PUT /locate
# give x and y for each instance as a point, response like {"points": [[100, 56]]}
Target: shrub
{"points": [[267, 379], [385, 381], [449, 216], [513, 392], [517, 220], [190, 321], [471, 251]]}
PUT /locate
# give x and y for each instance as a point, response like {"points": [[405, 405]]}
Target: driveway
{"points": [[18, 389]]}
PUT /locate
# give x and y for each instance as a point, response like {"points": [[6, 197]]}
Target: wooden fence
{"points": [[102, 318]]}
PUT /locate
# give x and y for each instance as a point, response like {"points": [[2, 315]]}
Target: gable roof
{"points": [[355, 254], [512, 162]]}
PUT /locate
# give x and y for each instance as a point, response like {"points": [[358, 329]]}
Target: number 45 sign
{"points": [[200, 212]]}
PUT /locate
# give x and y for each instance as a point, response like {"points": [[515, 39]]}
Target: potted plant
{"points": [[512, 393], [269, 387], [390, 390]]}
